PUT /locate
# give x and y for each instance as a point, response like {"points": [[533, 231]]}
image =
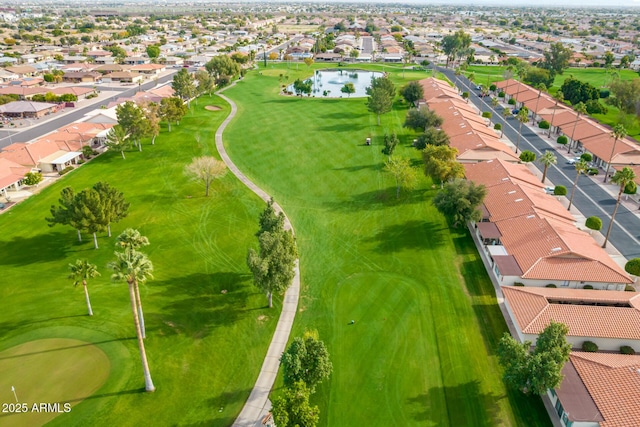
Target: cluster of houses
{"points": [[583, 133], [66, 146], [548, 269]]}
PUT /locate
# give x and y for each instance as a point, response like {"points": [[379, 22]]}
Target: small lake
{"points": [[327, 83]]}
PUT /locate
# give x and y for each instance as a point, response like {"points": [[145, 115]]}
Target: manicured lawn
{"points": [[422, 348], [205, 347]]}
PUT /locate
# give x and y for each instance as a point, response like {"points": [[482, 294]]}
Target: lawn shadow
{"points": [[375, 167], [343, 116], [378, 199], [413, 234], [6, 327], [66, 348], [491, 324], [465, 404], [342, 127], [104, 395], [201, 302], [219, 404], [40, 248]]}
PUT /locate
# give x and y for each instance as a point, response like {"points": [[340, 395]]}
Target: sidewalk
{"points": [[258, 404]]}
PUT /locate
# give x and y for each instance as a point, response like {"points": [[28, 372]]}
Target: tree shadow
{"points": [[66, 348], [342, 127], [104, 395], [6, 327], [465, 405], [201, 303], [410, 235], [41, 248], [219, 405], [375, 167], [343, 116], [378, 199]]}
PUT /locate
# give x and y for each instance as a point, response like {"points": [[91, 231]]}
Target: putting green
{"points": [[48, 371]]}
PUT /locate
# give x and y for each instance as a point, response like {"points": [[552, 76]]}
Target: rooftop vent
{"points": [[519, 200], [556, 249]]}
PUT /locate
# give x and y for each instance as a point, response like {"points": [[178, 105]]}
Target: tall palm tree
{"points": [[619, 132], [132, 239], [581, 167], [622, 178], [547, 159], [82, 270], [579, 108], [132, 267], [522, 116], [559, 97], [541, 87]]}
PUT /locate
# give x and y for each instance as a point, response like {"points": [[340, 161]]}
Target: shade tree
{"points": [[440, 163], [459, 200], [306, 359], [118, 140], [412, 92], [534, 372], [406, 177], [205, 170], [172, 110]]}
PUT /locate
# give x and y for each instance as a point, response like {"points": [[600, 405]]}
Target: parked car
{"points": [[549, 190], [573, 161], [515, 111]]}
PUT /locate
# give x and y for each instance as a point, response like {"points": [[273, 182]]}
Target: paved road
{"points": [[590, 198], [368, 44], [38, 130]]}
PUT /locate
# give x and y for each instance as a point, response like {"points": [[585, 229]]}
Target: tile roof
{"points": [[534, 308], [602, 144], [613, 381], [10, 172], [583, 128], [496, 172]]}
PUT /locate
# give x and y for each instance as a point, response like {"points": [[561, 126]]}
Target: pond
{"points": [[328, 83]]}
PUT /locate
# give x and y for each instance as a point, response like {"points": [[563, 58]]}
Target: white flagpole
{"points": [[13, 389]]}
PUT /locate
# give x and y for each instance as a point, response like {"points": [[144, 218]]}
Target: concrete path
{"points": [[258, 403]]}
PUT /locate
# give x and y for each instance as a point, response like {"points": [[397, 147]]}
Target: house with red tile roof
{"points": [[45, 154], [599, 389], [11, 175], [530, 238], [610, 319]]}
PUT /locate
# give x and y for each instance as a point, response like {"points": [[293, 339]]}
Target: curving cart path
{"points": [[256, 406]]}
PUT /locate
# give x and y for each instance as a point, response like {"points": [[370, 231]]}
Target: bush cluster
{"points": [[625, 349], [589, 346], [544, 124], [65, 170]]}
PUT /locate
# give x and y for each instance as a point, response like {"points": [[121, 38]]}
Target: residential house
{"points": [[609, 319], [27, 109], [11, 175], [22, 70]]}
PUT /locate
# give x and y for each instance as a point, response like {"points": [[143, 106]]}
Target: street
{"points": [[590, 199]]}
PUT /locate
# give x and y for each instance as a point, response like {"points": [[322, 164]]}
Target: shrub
{"points": [[633, 266], [631, 188], [87, 151], [629, 288], [589, 346], [593, 223], [596, 107], [33, 178], [604, 93], [80, 161], [465, 95], [390, 143], [65, 170], [492, 87], [551, 285], [586, 157], [587, 287], [593, 171], [511, 101], [544, 124], [501, 94], [560, 190], [518, 284], [486, 114], [625, 349], [562, 140], [527, 156], [497, 126]]}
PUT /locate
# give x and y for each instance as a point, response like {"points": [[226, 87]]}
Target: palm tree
{"points": [[581, 167], [82, 270], [622, 178], [559, 97], [495, 102], [522, 116], [547, 159], [541, 87], [579, 108], [619, 132], [132, 239], [132, 267]]}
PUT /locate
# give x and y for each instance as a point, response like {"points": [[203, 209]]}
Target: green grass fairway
{"points": [[205, 347], [50, 371], [422, 349]]}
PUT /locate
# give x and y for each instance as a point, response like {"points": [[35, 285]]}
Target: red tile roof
{"points": [[534, 308], [613, 381]]}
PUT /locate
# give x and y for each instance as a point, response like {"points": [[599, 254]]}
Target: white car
{"points": [[549, 190], [573, 161]]}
